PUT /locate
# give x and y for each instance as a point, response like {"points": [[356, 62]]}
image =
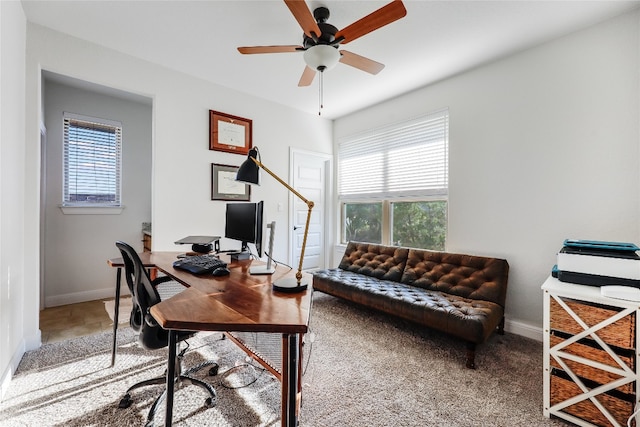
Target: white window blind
{"points": [[403, 159], [92, 161]]}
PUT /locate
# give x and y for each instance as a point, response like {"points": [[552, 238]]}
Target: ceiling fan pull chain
{"points": [[320, 100]]}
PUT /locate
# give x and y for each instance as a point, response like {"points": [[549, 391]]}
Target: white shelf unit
{"points": [[590, 370]]}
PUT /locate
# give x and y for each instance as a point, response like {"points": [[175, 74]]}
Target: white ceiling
{"points": [[436, 39]]}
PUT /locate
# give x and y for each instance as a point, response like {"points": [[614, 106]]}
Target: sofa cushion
{"points": [[474, 277], [381, 262], [466, 318]]}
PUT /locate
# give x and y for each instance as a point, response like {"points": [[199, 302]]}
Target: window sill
{"points": [[91, 210]]}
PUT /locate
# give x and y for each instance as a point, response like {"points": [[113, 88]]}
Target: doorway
{"points": [[310, 175], [87, 236]]}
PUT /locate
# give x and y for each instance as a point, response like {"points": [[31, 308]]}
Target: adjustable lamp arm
{"points": [[277, 178], [309, 204]]}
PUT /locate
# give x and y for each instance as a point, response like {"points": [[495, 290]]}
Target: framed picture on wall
{"points": [[229, 133], [224, 185]]}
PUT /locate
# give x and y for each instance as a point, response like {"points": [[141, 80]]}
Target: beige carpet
{"points": [[123, 309], [363, 369]]}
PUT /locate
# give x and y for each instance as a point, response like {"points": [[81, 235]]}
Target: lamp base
{"points": [[289, 285]]}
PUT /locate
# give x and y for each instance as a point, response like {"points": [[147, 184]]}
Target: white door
{"points": [[309, 172]]}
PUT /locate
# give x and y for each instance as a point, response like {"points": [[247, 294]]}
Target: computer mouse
{"points": [[220, 271]]}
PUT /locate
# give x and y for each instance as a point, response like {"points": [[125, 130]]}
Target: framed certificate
{"points": [[229, 133], [224, 185]]}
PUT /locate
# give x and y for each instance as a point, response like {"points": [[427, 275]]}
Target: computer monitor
{"points": [[244, 223]]}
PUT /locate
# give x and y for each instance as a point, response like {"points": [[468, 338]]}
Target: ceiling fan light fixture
{"points": [[321, 57]]}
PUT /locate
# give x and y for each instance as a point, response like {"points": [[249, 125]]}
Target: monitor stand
{"points": [[240, 256], [266, 269]]}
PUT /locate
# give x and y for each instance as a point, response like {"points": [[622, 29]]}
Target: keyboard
{"points": [[199, 264]]}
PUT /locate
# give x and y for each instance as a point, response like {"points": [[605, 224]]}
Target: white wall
{"points": [[181, 176], [14, 329], [76, 246], [543, 147]]}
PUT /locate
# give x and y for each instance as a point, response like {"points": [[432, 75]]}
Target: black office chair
{"points": [[144, 295]]}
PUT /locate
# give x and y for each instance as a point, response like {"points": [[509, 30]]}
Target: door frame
{"points": [[42, 207]]}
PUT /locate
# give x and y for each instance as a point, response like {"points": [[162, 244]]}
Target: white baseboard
{"points": [[523, 329], [33, 342], [8, 374], [4, 382], [106, 293]]}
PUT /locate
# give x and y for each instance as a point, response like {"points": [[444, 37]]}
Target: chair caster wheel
{"points": [[213, 371], [125, 402], [209, 403]]}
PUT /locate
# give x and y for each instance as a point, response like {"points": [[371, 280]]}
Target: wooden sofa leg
{"points": [[471, 355], [501, 326]]}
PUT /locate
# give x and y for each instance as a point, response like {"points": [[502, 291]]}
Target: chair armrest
{"points": [[150, 321]]}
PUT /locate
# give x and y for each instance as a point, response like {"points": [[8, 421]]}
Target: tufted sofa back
{"points": [[381, 262], [468, 276]]}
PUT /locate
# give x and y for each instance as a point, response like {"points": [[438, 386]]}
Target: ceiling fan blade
{"points": [[304, 17], [307, 76], [360, 62], [381, 17], [269, 49]]}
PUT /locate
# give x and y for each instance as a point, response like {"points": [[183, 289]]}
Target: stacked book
{"points": [[596, 263]]}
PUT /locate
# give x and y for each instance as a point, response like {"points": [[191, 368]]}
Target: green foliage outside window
{"points": [[420, 224], [363, 222]]}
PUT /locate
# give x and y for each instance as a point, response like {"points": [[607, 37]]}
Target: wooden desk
{"points": [[238, 302]]}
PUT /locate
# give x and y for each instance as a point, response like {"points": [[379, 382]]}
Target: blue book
{"points": [[600, 245]]}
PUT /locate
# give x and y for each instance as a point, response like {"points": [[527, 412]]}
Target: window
{"points": [[393, 183], [92, 162], [363, 222]]}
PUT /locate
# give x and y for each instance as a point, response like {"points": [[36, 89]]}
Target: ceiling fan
{"points": [[321, 40]]}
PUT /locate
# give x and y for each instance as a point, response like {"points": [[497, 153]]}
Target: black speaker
{"points": [[203, 249]]}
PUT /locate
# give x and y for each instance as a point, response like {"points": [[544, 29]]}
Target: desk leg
{"points": [[116, 310], [171, 374], [290, 379]]}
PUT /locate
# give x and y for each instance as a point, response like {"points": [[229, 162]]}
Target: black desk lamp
{"points": [[248, 173]]}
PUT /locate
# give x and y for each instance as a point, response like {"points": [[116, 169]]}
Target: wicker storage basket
{"points": [[598, 355], [562, 389], [621, 333]]}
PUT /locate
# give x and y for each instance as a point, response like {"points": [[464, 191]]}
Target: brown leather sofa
{"points": [[463, 295]]}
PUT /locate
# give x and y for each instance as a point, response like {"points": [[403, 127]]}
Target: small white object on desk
{"points": [[620, 292]]}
